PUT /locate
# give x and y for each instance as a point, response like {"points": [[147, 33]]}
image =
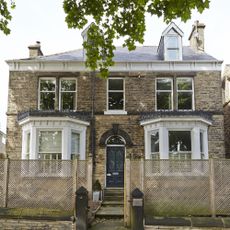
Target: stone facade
{"points": [[139, 97]]}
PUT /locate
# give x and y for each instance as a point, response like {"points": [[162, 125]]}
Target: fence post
{"points": [[81, 206], [74, 175], [6, 181], [142, 174], [127, 191], [137, 222], [89, 176], [212, 187]]}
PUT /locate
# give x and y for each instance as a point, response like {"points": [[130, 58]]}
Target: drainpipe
{"points": [[93, 132]]}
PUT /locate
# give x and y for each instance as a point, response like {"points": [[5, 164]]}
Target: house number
{"points": [[137, 202]]}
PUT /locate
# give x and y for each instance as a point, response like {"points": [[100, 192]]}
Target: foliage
{"points": [[97, 186], [5, 15], [115, 18]]}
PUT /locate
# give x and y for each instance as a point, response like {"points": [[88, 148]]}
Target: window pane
{"points": [[173, 54], [115, 140], [115, 84], [47, 101], [47, 85], [201, 142], [155, 142], [116, 101], [75, 143], [164, 100], [184, 100], [164, 84], [184, 84], [67, 101], [172, 42], [27, 145], [179, 141], [50, 142], [68, 85]]}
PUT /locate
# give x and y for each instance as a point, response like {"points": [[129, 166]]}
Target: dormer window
{"points": [[172, 48]]}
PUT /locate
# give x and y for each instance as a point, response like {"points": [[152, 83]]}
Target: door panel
{"points": [[115, 166]]}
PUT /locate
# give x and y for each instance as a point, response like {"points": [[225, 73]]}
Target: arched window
{"points": [[115, 140]]}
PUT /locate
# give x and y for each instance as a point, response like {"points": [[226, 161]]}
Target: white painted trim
{"points": [[120, 91], [176, 119], [164, 127], [60, 92], [66, 126], [39, 90], [153, 66], [156, 91], [66, 119], [115, 112], [192, 90]]}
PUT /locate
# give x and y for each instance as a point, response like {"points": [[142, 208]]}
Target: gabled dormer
{"points": [[170, 46]]}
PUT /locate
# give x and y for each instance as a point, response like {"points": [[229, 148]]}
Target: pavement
{"points": [[112, 224]]}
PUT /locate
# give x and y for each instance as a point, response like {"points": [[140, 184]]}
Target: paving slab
{"points": [[207, 222], [167, 221], [113, 224], [226, 221]]}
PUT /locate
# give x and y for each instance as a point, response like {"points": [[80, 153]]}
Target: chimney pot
{"points": [[35, 50], [196, 37]]}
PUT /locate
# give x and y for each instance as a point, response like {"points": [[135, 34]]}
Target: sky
{"points": [[44, 21]]}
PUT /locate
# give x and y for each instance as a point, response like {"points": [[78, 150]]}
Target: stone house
{"points": [[159, 102]]}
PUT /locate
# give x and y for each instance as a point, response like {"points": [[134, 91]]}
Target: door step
{"points": [[112, 205]]}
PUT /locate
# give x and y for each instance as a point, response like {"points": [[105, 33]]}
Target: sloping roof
{"points": [[121, 54]]}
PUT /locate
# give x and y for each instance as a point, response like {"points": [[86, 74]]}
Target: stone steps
{"points": [[112, 205]]}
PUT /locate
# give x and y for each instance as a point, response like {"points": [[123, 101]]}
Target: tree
{"points": [[121, 18], [5, 15]]}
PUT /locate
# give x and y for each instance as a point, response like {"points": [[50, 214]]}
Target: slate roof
{"points": [[141, 54]]}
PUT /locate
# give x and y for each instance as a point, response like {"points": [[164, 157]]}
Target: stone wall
{"points": [[11, 224], [227, 129], [139, 96]]}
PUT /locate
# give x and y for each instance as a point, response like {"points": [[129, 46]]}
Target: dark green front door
{"points": [[115, 166]]}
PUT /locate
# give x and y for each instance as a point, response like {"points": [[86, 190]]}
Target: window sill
{"points": [[115, 112]]}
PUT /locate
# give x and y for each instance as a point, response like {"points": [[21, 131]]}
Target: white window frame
{"points": [[185, 91], [165, 125], [164, 91], [182, 130], [38, 130], [178, 48], [39, 90], [121, 111], [65, 125], [60, 93]]}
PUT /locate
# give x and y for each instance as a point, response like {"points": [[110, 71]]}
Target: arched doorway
{"points": [[115, 154]]}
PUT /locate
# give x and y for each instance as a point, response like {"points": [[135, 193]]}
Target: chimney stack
{"points": [[35, 50], [196, 37]]}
